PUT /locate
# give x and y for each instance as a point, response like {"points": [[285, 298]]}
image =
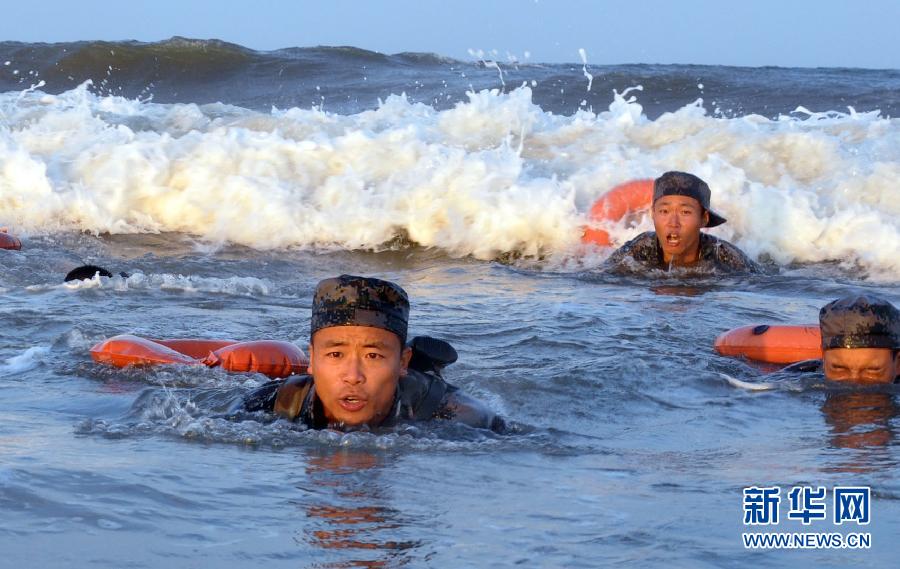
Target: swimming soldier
{"points": [[860, 341], [680, 209], [359, 370]]}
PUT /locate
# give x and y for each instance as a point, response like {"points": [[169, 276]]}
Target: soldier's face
{"points": [[356, 370], [861, 365], [677, 221]]}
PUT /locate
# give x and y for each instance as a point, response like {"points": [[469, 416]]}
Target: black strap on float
{"points": [[292, 393], [421, 394], [87, 272]]}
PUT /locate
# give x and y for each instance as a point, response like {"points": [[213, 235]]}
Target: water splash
{"points": [[584, 70], [495, 174], [28, 360]]}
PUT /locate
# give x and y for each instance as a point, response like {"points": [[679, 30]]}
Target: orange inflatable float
{"points": [[7, 241], [270, 357], [616, 204], [772, 344]]}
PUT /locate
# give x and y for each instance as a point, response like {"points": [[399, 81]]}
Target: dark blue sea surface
{"points": [[349, 80]]}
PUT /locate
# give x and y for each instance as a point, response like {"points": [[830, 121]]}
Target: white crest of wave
{"points": [[29, 359], [235, 286], [493, 174]]}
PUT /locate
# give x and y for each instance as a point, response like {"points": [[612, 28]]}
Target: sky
{"points": [[787, 33]]}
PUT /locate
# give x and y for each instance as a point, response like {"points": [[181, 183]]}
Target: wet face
{"points": [[677, 220], [356, 371], [861, 365]]}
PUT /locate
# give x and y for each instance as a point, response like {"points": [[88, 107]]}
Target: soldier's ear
{"points": [[309, 368], [405, 356], [705, 218]]}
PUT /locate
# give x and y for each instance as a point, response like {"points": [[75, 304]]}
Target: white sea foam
{"points": [[493, 174], [29, 359], [236, 286], [749, 386]]}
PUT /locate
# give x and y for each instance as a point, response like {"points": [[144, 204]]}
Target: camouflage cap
{"points": [[349, 300], [860, 321], [684, 184]]}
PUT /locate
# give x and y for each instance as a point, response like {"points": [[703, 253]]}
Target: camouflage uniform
{"points": [[855, 321], [421, 395], [644, 252]]}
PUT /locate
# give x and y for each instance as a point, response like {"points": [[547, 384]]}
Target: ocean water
{"points": [[226, 182]]}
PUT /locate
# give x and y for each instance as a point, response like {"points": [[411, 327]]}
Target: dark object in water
{"points": [[8, 241], [431, 354], [87, 272]]}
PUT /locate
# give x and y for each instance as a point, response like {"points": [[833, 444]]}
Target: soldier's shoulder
{"points": [[639, 247], [728, 255]]}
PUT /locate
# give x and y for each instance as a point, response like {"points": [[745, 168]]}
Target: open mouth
{"points": [[673, 240], [352, 403]]}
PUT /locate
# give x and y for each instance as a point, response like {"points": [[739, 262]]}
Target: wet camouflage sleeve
{"points": [[426, 396], [262, 398], [642, 250], [463, 408], [726, 256]]}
